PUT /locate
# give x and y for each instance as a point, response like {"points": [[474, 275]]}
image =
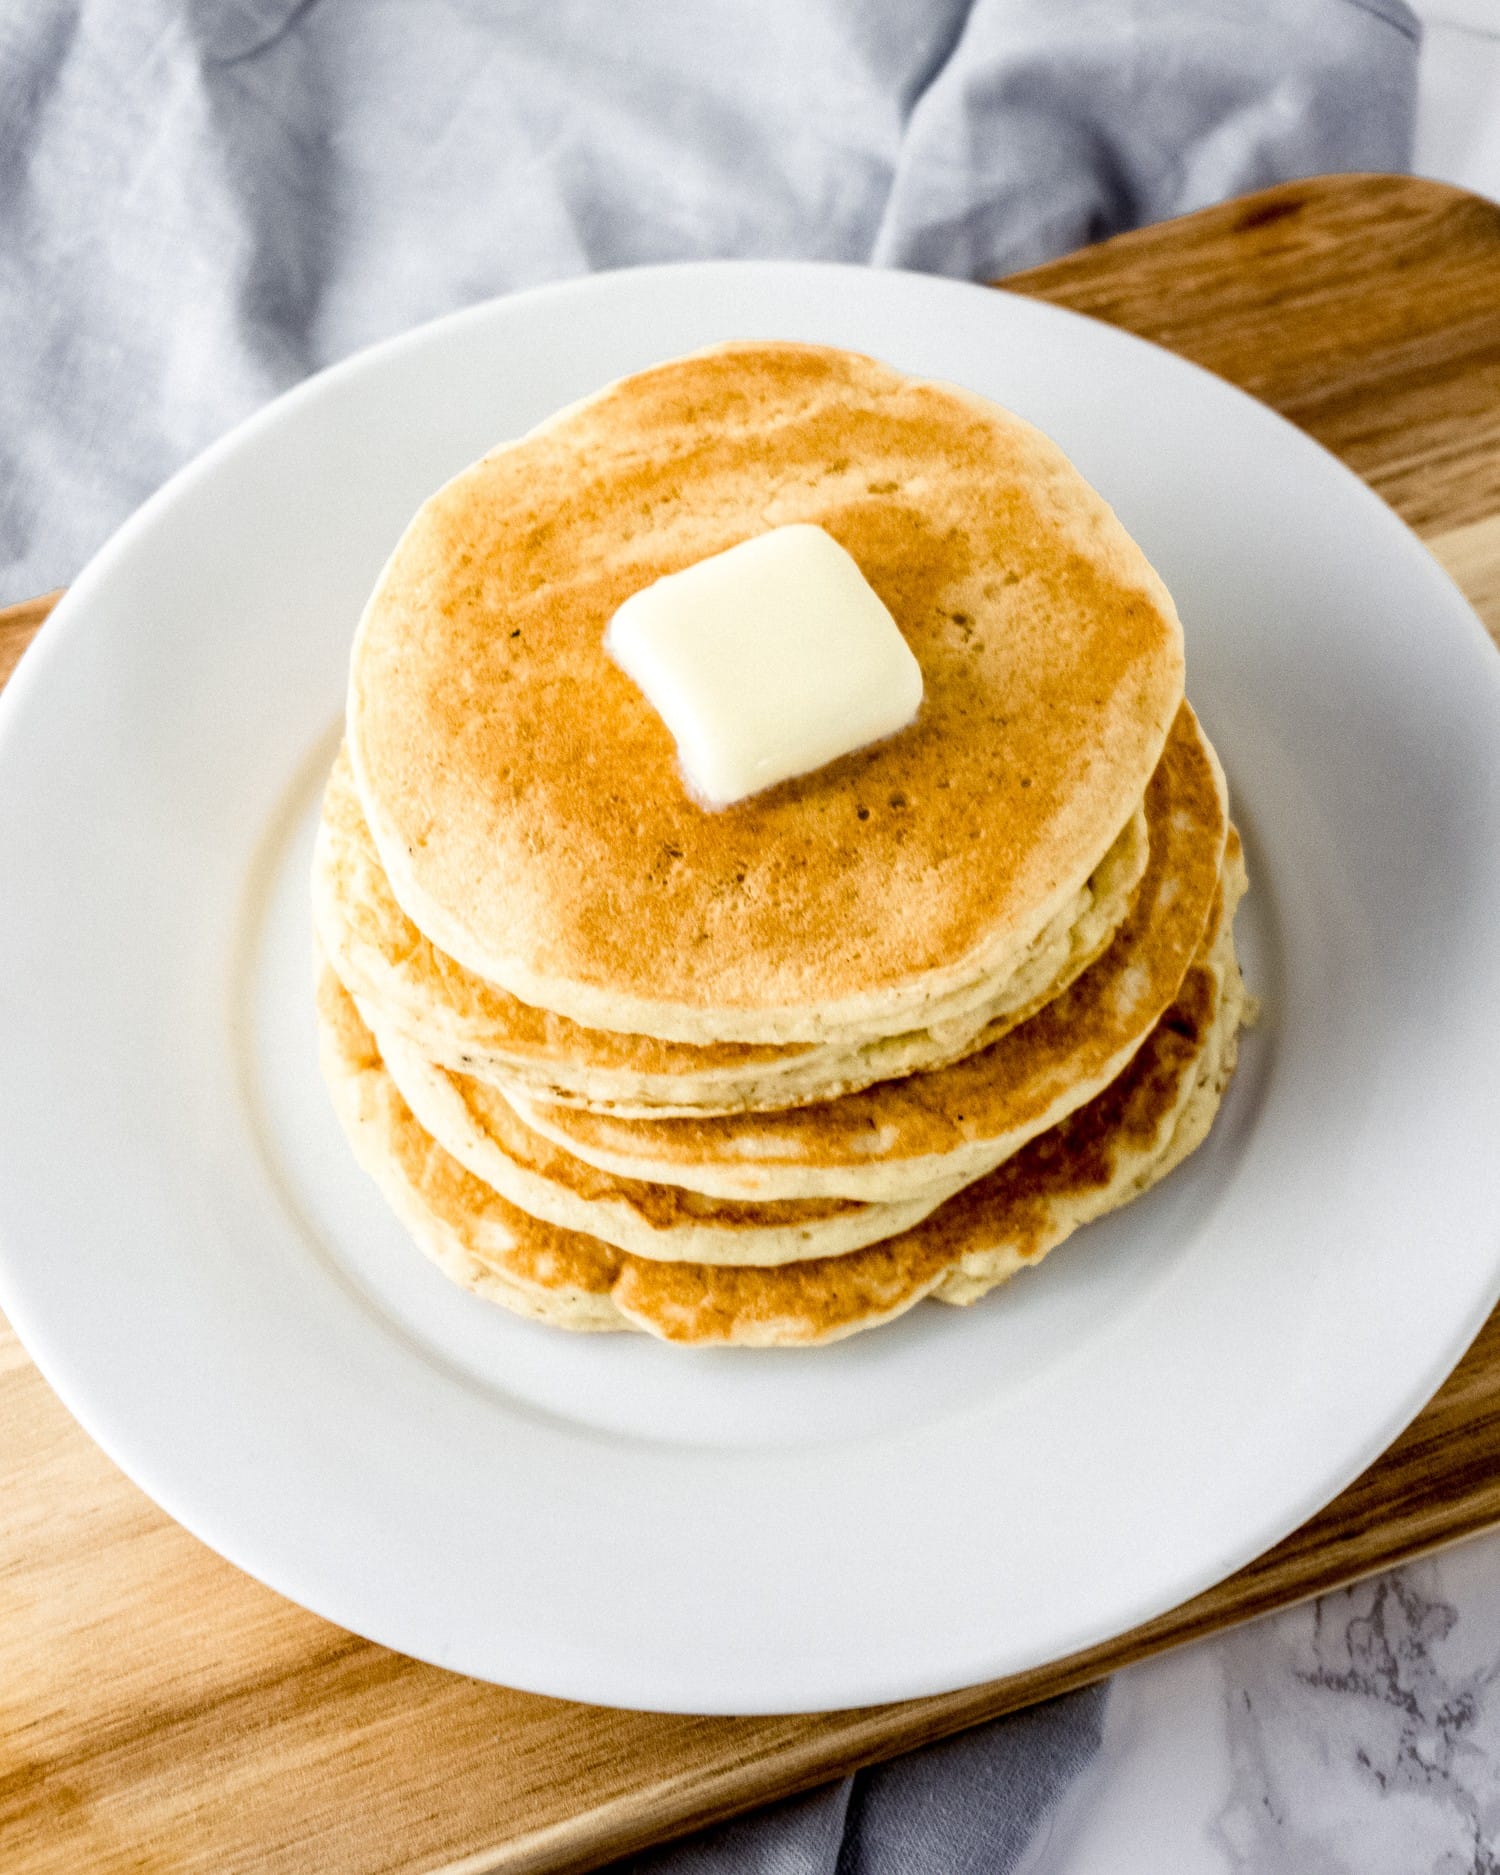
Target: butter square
{"points": [[767, 661]]}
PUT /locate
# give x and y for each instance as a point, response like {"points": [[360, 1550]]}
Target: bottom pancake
{"points": [[1103, 1155]]}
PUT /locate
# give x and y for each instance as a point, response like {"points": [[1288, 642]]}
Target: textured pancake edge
{"points": [[977, 1273], [440, 1109], [375, 1116], [435, 1025], [361, 1094], [968, 1278]]}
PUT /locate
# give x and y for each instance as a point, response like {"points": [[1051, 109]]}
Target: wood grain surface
{"points": [[161, 1712]]}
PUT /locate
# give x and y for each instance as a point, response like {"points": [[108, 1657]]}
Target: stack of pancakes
{"points": [[770, 1074]]}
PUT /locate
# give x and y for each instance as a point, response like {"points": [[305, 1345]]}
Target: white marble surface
{"points": [[1358, 1735]]}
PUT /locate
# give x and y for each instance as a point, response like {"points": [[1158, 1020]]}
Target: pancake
{"points": [[525, 799], [409, 989], [899, 1138], [480, 1128], [1102, 1156]]}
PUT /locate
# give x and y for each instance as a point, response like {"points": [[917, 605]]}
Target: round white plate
{"points": [[189, 1252]]}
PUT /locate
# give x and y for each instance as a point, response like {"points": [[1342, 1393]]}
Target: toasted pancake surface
{"points": [[525, 799]]}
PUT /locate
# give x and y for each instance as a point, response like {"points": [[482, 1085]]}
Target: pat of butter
{"points": [[767, 661]]}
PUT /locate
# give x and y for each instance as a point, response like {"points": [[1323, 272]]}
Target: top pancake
{"points": [[525, 799]]}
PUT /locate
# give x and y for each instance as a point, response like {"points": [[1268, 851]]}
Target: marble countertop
{"points": [[1355, 1735]]}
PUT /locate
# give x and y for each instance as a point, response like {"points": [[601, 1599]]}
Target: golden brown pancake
{"points": [[1103, 1155], [409, 989], [898, 1138], [480, 1128], [525, 799]]}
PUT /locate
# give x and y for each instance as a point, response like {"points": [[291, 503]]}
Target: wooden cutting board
{"points": [[159, 1711]]}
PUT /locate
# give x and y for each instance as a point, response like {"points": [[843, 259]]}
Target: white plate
{"points": [[224, 1302]]}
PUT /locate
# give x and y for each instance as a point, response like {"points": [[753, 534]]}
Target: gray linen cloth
{"points": [[201, 201]]}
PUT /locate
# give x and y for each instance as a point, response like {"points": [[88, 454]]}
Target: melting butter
{"points": [[767, 661]]}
